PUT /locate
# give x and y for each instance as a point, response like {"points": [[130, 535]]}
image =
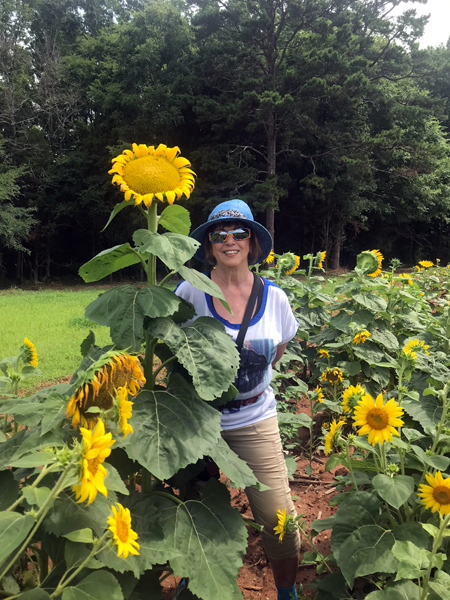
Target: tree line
{"points": [[324, 115]]}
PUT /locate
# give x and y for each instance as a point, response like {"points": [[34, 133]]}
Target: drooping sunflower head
{"points": [[426, 264], [377, 419], [29, 354], [369, 262], [96, 446], [416, 346], [436, 495], [97, 386], [321, 256], [147, 172], [120, 526], [270, 259], [332, 436], [361, 337], [332, 375], [352, 395], [288, 263]]}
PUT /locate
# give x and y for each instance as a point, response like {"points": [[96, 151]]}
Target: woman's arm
{"points": [[280, 351]]}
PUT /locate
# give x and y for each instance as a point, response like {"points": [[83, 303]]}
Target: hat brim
{"points": [[264, 237]]}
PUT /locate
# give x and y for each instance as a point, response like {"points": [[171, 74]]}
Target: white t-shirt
{"points": [[274, 324]]}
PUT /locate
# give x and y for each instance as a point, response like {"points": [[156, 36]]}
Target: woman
{"points": [[230, 241]]}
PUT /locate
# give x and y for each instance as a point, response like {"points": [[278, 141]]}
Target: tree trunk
{"points": [[335, 254], [19, 268], [47, 262], [271, 172]]}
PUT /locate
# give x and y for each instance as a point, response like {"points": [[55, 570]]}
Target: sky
{"points": [[438, 29]]}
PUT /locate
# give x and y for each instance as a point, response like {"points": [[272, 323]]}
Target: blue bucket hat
{"points": [[239, 211]]}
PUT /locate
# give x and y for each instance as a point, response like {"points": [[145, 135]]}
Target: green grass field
{"points": [[54, 321]]}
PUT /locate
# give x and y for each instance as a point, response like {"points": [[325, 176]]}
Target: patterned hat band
{"points": [[227, 213]]}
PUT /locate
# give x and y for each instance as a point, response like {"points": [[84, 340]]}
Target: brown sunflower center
{"points": [[122, 531], [377, 418], [441, 493], [93, 465], [151, 174]]}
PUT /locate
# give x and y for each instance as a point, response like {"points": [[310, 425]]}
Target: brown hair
{"points": [[255, 248]]}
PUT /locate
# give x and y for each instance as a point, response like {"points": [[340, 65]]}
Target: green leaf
{"points": [[75, 554], [173, 427], [427, 412], [2, 437], [108, 261], [212, 538], [394, 490], [369, 352], [412, 532], [87, 344], [367, 551], [54, 412], [412, 560], [301, 419], [67, 515], [172, 249], [14, 528], [81, 536], [431, 529], [291, 466], [404, 590], [320, 525], [36, 594], [435, 461], [9, 489], [204, 349], [37, 496], [113, 481], [17, 407], [99, 585], [203, 283], [10, 585], [441, 584], [333, 461], [372, 302], [385, 338], [116, 210], [176, 219], [39, 459], [123, 310], [233, 467], [351, 368]]}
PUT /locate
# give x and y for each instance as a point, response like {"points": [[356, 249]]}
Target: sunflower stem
{"points": [[162, 365], [443, 417], [168, 276], [168, 496], [350, 468], [437, 542], [152, 221]]}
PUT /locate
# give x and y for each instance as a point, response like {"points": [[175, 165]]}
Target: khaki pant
{"points": [[259, 445]]}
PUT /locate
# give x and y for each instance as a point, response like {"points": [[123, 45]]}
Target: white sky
{"points": [[438, 29]]}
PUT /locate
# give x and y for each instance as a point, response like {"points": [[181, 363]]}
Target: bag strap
{"points": [[255, 296]]}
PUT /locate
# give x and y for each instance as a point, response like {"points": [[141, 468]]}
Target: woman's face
{"points": [[231, 253]]}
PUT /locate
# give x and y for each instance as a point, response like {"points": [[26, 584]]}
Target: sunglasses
{"points": [[219, 237]]}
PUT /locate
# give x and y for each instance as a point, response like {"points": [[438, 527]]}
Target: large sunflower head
{"points": [[332, 375], [416, 346], [120, 526], [29, 353], [96, 447], [332, 435], [288, 263], [352, 395], [147, 172], [436, 495], [426, 264], [377, 419], [97, 387], [369, 262]]}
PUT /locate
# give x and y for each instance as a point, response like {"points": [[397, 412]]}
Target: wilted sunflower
{"points": [[361, 337], [322, 258], [426, 264], [120, 526], [295, 266], [380, 257], [436, 495], [330, 438], [271, 257], [376, 419], [29, 353], [415, 345], [280, 528], [333, 375], [97, 447], [147, 172], [97, 386], [124, 410], [352, 395]]}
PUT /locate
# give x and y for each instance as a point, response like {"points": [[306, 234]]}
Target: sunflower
{"points": [[416, 345], [321, 259], [124, 410], [280, 528], [436, 495], [332, 434], [379, 257], [97, 386], [320, 395], [323, 352], [361, 337], [147, 172], [120, 526], [333, 375], [29, 353], [352, 395], [295, 266], [376, 419], [270, 258], [97, 447], [426, 264]]}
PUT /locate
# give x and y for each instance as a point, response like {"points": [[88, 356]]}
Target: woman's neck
{"points": [[236, 276]]}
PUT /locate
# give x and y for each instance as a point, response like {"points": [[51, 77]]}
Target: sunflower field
{"points": [[98, 498]]}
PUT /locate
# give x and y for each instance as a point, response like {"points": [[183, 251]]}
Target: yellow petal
{"points": [[129, 153], [181, 162], [171, 153], [170, 197], [147, 198], [128, 195], [160, 196]]}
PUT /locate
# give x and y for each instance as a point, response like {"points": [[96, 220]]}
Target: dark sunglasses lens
{"points": [[241, 234], [216, 237]]}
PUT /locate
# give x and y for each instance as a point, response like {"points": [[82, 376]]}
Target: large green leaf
{"points": [[123, 310], [372, 302], [205, 351], [108, 261], [301, 419], [118, 207], [14, 528], [28, 442], [36, 594], [203, 283], [412, 560], [441, 584], [368, 550], [54, 412], [176, 219], [413, 532], [172, 428], [404, 590], [386, 338], [369, 352], [172, 248], [212, 538], [233, 467], [427, 412], [99, 585], [435, 461], [394, 490], [9, 489], [67, 515]]}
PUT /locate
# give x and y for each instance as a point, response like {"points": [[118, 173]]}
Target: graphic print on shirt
{"points": [[256, 356]]}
